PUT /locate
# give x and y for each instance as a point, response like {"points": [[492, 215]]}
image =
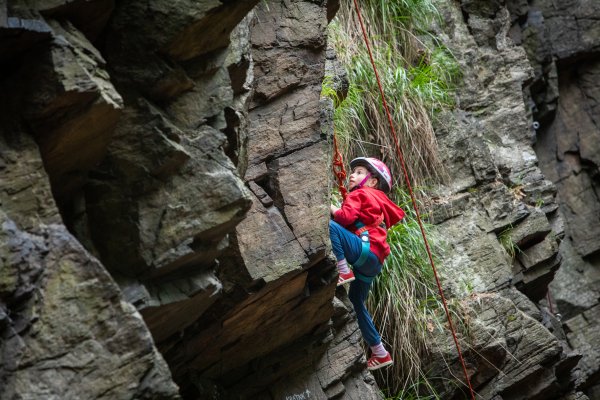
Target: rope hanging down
{"points": [[412, 197], [338, 169]]}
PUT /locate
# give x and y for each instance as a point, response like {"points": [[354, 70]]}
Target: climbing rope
{"points": [[338, 168], [412, 196]]}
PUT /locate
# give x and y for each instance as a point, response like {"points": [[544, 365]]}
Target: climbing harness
{"points": [[365, 246], [361, 227], [341, 175], [363, 232]]}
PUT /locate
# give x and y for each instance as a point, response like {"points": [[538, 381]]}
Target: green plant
{"points": [[416, 392], [404, 301], [467, 286], [506, 240], [328, 91], [417, 75], [539, 202]]}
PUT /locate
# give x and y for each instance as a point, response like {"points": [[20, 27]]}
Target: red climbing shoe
{"points": [[345, 278], [379, 362]]}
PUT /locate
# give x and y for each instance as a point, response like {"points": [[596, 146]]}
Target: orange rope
{"points": [[414, 202], [338, 168]]}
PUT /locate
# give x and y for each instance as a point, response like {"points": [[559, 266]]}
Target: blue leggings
{"points": [[347, 245]]}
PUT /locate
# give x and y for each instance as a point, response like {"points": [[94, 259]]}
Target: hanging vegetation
{"points": [[417, 76]]}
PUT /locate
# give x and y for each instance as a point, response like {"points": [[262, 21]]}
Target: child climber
{"points": [[358, 235]]}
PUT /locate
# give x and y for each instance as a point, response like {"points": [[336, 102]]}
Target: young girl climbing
{"points": [[358, 235]]}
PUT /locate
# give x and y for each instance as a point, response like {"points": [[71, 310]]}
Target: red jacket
{"points": [[367, 205]]}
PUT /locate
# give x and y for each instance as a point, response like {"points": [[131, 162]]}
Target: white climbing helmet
{"points": [[379, 168]]}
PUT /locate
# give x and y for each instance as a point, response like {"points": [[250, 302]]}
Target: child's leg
{"points": [[359, 291], [345, 244]]}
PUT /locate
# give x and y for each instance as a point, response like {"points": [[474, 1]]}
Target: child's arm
{"points": [[349, 211], [333, 209]]}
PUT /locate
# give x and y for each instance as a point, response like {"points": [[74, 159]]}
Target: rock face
{"points": [[563, 45], [503, 338], [274, 327], [65, 331], [499, 213], [185, 145], [164, 189]]}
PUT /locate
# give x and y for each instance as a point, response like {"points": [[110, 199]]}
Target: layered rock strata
{"points": [[65, 331], [185, 146], [563, 45], [499, 215]]}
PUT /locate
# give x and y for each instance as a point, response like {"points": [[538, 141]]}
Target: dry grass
{"points": [[416, 78]]}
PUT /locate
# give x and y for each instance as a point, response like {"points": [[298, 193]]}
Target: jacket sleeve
{"points": [[349, 211]]}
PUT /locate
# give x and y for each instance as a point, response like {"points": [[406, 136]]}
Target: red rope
{"points": [[412, 196], [338, 168]]}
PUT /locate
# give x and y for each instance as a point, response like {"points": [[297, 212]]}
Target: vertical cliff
{"points": [[164, 191], [184, 145], [563, 44], [520, 203]]}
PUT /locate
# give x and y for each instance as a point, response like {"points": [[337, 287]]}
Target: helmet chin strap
{"points": [[362, 183]]}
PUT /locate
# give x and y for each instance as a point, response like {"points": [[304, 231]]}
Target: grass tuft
{"points": [[417, 75], [505, 239]]}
